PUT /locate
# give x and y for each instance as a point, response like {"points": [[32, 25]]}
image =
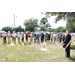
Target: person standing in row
{"points": [[9, 37], [46, 37], [22, 35], [0, 37], [51, 38], [18, 36], [37, 37], [58, 39], [63, 37], [31, 38], [60, 36], [54, 35], [4, 37], [26, 37], [34, 37], [42, 37], [14, 36]]}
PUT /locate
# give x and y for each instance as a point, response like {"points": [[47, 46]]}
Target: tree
{"points": [[63, 29], [51, 29], [70, 27], [19, 29], [58, 29], [44, 23], [31, 24], [68, 16], [42, 29], [6, 29]]}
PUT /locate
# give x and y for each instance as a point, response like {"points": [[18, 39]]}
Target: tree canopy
{"points": [[31, 24], [70, 27], [63, 29], [6, 29], [68, 16], [44, 23], [19, 29]]}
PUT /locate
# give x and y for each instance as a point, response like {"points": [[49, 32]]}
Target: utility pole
{"points": [[14, 22]]}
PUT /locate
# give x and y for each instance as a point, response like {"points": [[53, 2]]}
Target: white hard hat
{"points": [[13, 31], [8, 31], [21, 32]]}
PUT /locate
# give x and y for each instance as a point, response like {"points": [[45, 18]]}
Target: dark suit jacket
{"points": [[67, 39]]}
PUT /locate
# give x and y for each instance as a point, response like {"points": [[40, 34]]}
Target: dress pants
{"points": [[22, 39], [4, 39], [26, 39], [67, 52]]}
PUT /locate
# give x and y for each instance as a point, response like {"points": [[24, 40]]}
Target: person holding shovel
{"points": [[67, 40], [9, 36], [4, 37]]}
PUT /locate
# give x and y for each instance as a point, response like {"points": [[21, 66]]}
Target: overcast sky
{"points": [[7, 19]]}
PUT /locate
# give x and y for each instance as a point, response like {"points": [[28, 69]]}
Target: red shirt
{"points": [[26, 35]]}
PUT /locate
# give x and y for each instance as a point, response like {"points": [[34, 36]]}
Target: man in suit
{"points": [[67, 40]]}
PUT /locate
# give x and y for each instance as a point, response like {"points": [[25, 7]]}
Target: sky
{"points": [[7, 19]]}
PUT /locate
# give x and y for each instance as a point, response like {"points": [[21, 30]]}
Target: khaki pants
{"points": [[18, 40], [54, 39], [9, 41]]}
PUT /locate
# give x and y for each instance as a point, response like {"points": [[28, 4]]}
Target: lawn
{"points": [[33, 53]]}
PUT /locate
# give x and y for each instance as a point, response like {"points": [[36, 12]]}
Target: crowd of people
{"points": [[55, 38]]}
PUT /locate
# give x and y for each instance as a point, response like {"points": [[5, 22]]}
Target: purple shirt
{"points": [[4, 34]]}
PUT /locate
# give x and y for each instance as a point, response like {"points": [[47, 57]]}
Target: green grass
{"points": [[33, 53]]}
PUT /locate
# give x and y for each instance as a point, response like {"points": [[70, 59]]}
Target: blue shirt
{"points": [[34, 35], [18, 35], [37, 36]]}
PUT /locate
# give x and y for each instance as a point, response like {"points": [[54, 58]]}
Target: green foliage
{"points": [[69, 16], [44, 23], [6, 29], [58, 29], [70, 27], [51, 30], [42, 29], [63, 29], [19, 29], [31, 24]]}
